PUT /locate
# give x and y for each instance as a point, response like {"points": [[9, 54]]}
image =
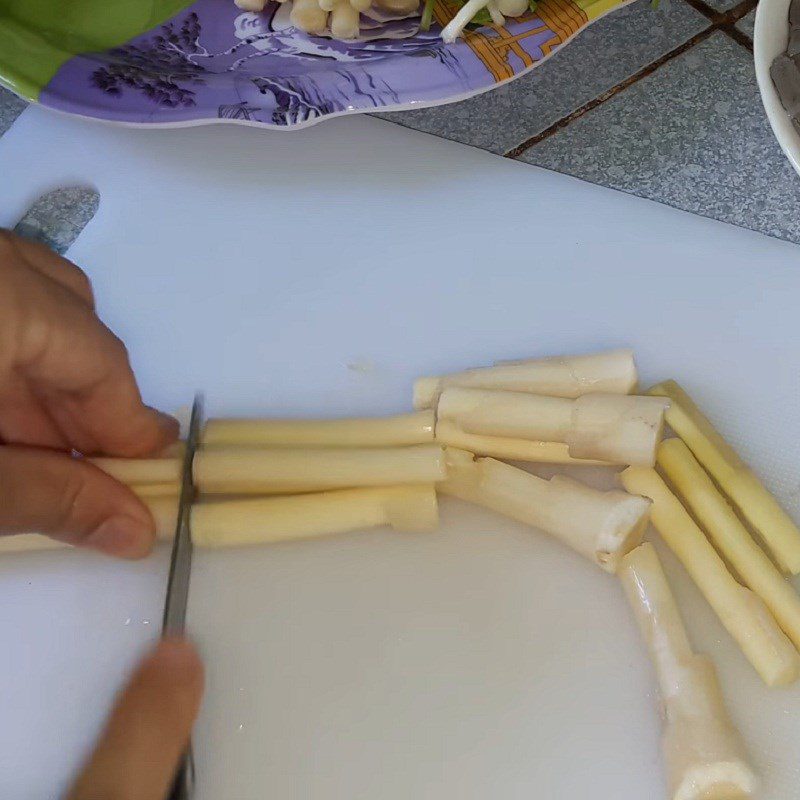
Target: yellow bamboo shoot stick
{"points": [[276, 519], [602, 526], [247, 470], [729, 535], [613, 372], [704, 753], [308, 16], [740, 610], [163, 509], [141, 470], [773, 525], [402, 429], [450, 435], [621, 429], [153, 490]]}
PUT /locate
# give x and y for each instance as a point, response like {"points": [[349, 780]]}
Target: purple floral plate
{"points": [[177, 64]]}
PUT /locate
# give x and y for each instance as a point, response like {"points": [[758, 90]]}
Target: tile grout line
{"points": [[720, 21]]}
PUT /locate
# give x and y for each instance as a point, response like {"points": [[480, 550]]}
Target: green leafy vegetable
{"points": [[427, 15]]}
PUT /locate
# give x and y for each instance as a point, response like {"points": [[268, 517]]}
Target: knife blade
{"points": [[180, 570]]}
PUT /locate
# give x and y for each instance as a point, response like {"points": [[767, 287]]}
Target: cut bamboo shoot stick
{"points": [[602, 526], [612, 372], [153, 490], [308, 16], [704, 752], [402, 429], [450, 435], [621, 429], [730, 536], [772, 524], [275, 519], [163, 509], [141, 470], [740, 610], [252, 471]]}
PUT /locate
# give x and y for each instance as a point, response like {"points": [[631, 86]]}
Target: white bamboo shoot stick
{"points": [[153, 490], [494, 13], [163, 509], [344, 20], [704, 753], [730, 536], [516, 8], [450, 435], [308, 16], [247, 470], [402, 429], [275, 519], [612, 372], [772, 524], [602, 526], [740, 610], [141, 470], [621, 429]]}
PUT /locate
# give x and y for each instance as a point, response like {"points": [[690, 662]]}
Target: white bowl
{"points": [[770, 39]]}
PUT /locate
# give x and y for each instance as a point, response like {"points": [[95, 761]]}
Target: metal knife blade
{"points": [[180, 570]]}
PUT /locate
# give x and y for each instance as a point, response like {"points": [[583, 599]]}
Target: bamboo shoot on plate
{"points": [[247, 470], [612, 372], [602, 526], [164, 511], [450, 435], [276, 519], [740, 610], [703, 751], [773, 525], [729, 535], [402, 429], [621, 429]]}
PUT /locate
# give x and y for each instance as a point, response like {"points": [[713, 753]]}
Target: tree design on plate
{"points": [[161, 68]]}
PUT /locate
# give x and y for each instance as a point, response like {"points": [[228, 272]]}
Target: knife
{"points": [[180, 570]]}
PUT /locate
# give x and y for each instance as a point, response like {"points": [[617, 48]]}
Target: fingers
{"points": [[73, 501], [80, 371], [53, 266], [148, 730]]}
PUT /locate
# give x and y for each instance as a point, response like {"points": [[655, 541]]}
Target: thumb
{"points": [[148, 730], [71, 500]]}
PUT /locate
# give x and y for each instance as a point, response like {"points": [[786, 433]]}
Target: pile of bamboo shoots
{"points": [[341, 19], [270, 480]]}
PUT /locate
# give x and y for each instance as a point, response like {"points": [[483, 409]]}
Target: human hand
{"points": [[148, 730], [66, 384]]}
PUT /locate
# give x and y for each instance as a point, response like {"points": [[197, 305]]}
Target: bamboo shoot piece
{"points": [[772, 524], [450, 435], [141, 470], [247, 470], [308, 16], [276, 519], [402, 429], [153, 490], [704, 753], [602, 526], [164, 511], [621, 429], [740, 610], [612, 372], [730, 536]]}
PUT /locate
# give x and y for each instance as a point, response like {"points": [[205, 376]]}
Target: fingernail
{"points": [[124, 537]]}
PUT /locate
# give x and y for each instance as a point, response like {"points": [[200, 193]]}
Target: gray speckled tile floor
{"points": [[746, 24], [652, 140], [10, 108], [606, 53]]}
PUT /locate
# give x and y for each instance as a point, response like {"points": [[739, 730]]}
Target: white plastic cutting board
{"points": [[318, 273]]}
